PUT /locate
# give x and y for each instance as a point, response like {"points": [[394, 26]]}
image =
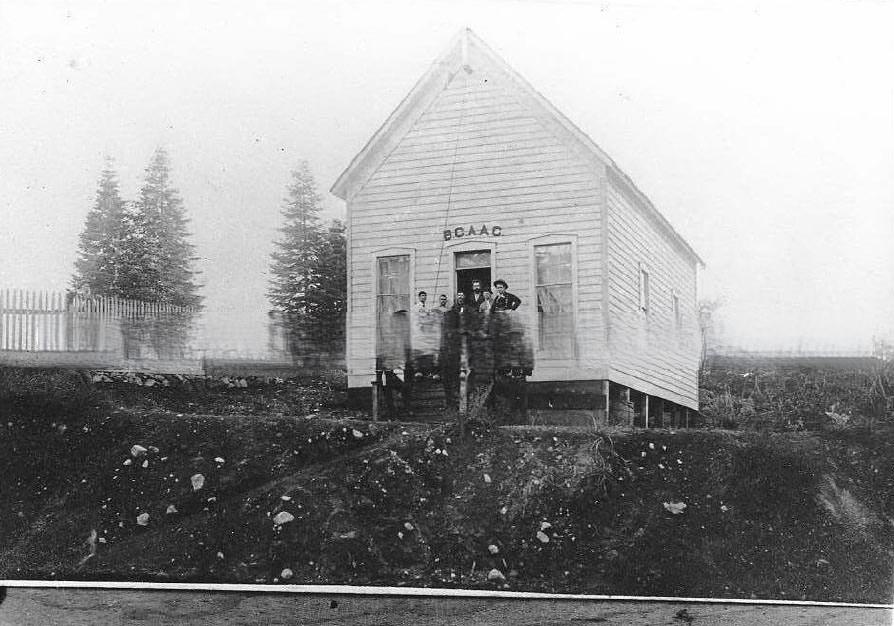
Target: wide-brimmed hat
{"points": [[500, 281]]}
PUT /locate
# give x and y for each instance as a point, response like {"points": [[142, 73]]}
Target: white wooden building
{"points": [[477, 175]]}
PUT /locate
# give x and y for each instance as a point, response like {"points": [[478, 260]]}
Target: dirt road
{"points": [[29, 606]]}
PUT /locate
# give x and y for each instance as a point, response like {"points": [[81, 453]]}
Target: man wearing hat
{"points": [[504, 301]]}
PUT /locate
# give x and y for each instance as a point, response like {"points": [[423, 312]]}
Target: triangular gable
{"points": [[467, 49]]}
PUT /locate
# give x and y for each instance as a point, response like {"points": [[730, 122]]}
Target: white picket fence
{"points": [[53, 321]]}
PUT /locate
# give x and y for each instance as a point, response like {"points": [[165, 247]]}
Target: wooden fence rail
{"points": [[54, 321]]}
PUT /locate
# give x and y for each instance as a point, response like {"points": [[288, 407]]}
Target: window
{"points": [[553, 281], [675, 303], [392, 294], [643, 288]]}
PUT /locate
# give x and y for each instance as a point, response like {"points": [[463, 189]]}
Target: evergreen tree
{"points": [[308, 284], [296, 254], [331, 296], [99, 247], [157, 260]]}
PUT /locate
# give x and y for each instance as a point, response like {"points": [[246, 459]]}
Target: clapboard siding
{"points": [[650, 347], [472, 145], [478, 155]]}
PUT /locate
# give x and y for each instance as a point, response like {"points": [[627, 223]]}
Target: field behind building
{"points": [[239, 480]]}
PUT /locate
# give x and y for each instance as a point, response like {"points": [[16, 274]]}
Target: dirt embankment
{"points": [[326, 500]]}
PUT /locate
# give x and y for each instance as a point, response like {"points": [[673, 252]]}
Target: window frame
{"points": [[644, 278], [533, 244], [676, 311], [375, 255]]}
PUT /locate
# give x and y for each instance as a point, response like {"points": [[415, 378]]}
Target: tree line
{"points": [[141, 250]]}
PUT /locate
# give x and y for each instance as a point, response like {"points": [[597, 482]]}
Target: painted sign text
{"points": [[459, 232]]}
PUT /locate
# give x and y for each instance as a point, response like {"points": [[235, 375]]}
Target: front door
{"points": [[471, 266]]}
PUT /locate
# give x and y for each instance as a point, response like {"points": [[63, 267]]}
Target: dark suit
{"points": [[506, 302]]}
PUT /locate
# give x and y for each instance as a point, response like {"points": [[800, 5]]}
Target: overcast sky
{"points": [[764, 133]]}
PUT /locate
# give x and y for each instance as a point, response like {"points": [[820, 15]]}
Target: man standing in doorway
{"points": [[477, 294]]}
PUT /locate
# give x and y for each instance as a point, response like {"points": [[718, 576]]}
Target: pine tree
{"points": [[295, 258], [308, 284], [99, 248], [157, 263], [332, 274]]}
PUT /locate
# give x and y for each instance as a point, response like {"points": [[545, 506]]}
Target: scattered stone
{"points": [[171, 509], [357, 433], [127, 462], [493, 549], [283, 517], [496, 576], [286, 574], [285, 498], [198, 481], [146, 463], [219, 459], [675, 508], [542, 536], [220, 555], [143, 519], [487, 478], [545, 525], [408, 526]]}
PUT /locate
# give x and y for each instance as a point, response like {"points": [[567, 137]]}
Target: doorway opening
{"points": [[472, 266]]}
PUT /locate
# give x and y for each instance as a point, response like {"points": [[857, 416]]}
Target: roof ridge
{"points": [[459, 48]]}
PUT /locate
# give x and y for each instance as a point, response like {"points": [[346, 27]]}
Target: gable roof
{"points": [[467, 50]]}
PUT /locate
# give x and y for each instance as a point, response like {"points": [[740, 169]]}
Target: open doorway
{"points": [[471, 266]]}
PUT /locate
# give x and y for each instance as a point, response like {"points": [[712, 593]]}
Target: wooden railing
{"points": [[53, 321]]}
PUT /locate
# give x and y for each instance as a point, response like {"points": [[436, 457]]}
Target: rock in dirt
{"points": [[143, 519], [542, 537], [136, 451], [493, 549], [198, 481], [496, 576], [286, 574], [675, 508], [283, 517], [171, 509]]}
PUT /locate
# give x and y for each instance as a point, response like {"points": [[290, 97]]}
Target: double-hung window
{"points": [[644, 288], [392, 295], [553, 282]]}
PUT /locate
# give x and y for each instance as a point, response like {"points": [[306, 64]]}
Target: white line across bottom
{"points": [[412, 591]]}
